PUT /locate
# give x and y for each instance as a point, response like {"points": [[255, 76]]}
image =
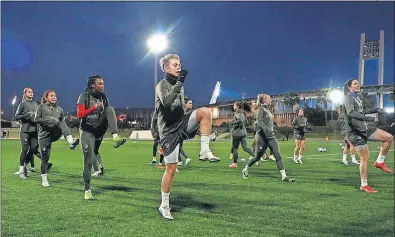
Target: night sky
{"points": [[250, 47]]}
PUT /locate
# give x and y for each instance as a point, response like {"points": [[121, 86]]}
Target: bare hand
{"points": [[99, 104]]}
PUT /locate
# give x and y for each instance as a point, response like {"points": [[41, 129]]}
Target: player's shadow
{"points": [[179, 202], [117, 188]]}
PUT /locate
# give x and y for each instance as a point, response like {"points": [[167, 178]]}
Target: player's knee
{"points": [[204, 112]]}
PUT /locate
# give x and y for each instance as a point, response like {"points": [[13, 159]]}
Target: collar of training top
{"points": [[95, 94], [171, 79], [353, 94]]}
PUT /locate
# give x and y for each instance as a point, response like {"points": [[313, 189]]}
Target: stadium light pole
{"points": [[156, 44], [13, 107]]}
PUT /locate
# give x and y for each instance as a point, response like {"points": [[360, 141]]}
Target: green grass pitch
{"points": [[207, 199]]}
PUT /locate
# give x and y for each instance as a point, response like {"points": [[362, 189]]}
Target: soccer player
{"points": [[300, 127], [348, 147], [265, 138], [188, 111], [51, 125], [155, 135], [239, 132], [173, 124], [360, 129], [27, 133], [96, 114]]}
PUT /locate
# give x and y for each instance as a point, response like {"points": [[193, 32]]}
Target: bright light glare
{"points": [[157, 43], [336, 96], [14, 100], [389, 110]]}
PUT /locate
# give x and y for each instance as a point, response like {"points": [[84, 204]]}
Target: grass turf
{"points": [[207, 199]]}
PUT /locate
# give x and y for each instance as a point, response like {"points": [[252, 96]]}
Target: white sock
{"points": [[364, 182], [247, 167], [283, 174], [344, 157], [165, 199], [380, 159], [115, 135], [300, 157], [21, 169], [353, 158], [204, 143], [44, 178], [295, 157], [154, 158], [69, 139]]}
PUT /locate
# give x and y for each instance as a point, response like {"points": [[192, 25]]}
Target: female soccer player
{"points": [[28, 132], [96, 116], [360, 129], [239, 132], [348, 147], [265, 138], [51, 125], [300, 127]]}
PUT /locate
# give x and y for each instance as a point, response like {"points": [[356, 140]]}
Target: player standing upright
{"points": [[174, 125]]}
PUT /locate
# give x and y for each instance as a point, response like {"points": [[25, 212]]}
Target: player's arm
{"points": [[43, 121], [370, 111], [236, 119], [260, 121], [350, 110], [167, 97], [295, 123], [82, 112], [19, 114]]}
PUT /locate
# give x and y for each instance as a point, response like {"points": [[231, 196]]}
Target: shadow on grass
{"points": [[182, 201]]}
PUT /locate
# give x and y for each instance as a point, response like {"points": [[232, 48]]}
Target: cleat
{"points": [[244, 172], [165, 211], [344, 162], [119, 141], [296, 161], [271, 157], [382, 166], [286, 178], [152, 162], [22, 175], [75, 143], [367, 189], [180, 163], [187, 161], [233, 165], [101, 168], [45, 184], [208, 155], [17, 172], [355, 162], [32, 169], [177, 171], [96, 174], [231, 156], [300, 161], [88, 195]]}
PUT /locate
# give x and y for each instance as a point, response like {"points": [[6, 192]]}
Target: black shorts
{"points": [[358, 139], [299, 137]]}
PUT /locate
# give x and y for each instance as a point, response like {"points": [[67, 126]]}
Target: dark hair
{"points": [[243, 105], [186, 99], [44, 98], [348, 84], [92, 80]]}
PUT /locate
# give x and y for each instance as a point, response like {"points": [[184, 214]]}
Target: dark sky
{"points": [[250, 47]]}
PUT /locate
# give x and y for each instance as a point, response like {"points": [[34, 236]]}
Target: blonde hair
{"points": [[44, 99], [24, 93], [165, 60]]}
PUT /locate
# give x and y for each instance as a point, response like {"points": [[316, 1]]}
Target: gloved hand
{"points": [[183, 75]]}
